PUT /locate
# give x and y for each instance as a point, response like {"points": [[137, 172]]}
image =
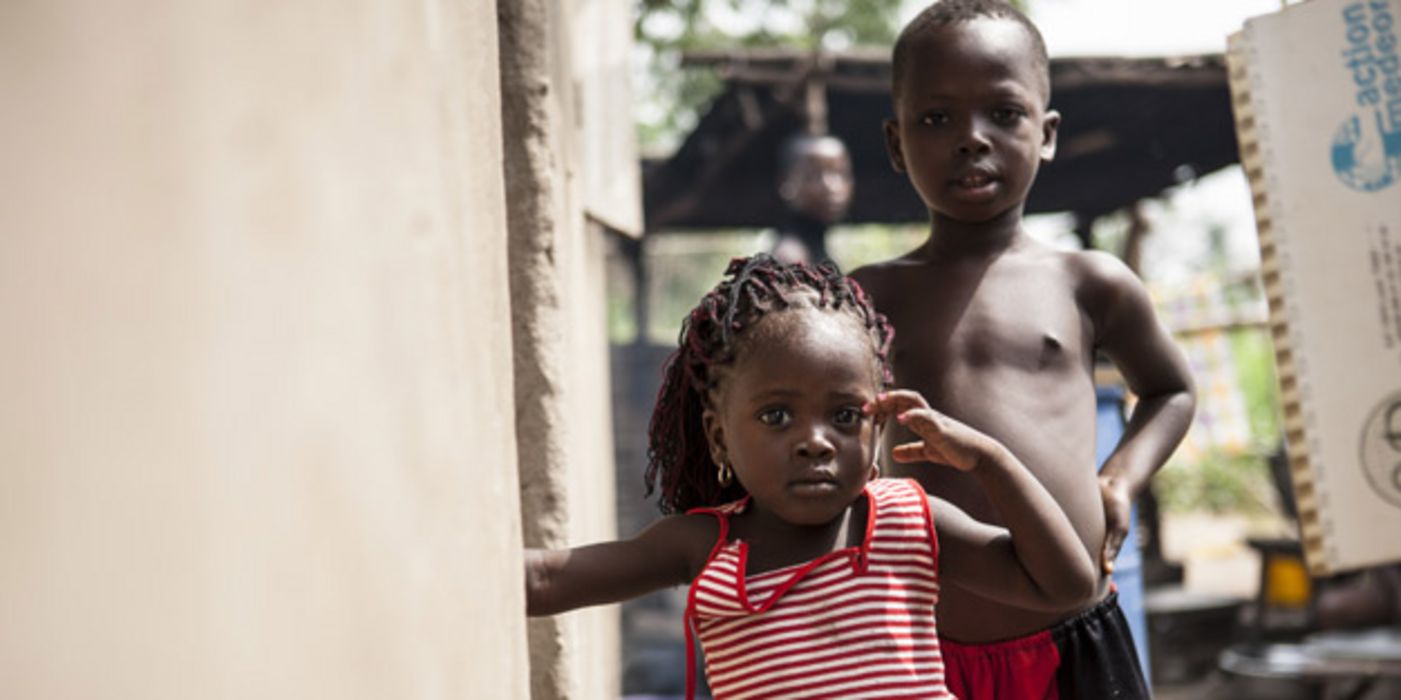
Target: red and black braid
{"points": [[678, 455]]}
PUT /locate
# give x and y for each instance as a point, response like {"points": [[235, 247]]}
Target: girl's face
{"points": [[788, 415]]}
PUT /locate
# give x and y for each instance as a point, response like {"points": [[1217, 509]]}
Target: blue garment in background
{"points": [[1128, 567]]}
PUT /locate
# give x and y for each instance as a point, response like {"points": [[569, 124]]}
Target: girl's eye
{"points": [[773, 417], [848, 416]]}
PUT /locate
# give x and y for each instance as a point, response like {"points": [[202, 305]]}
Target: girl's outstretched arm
{"points": [[1036, 560], [667, 553]]}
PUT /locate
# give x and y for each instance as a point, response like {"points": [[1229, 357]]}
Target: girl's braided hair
{"points": [[678, 454]]}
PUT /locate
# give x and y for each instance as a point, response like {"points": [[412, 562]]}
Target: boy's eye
{"points": [[773, 417], [934, 119], [1007, 115], [847, 416]]}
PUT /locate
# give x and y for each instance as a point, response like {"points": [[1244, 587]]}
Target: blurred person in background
{"points": [[815, 183]]}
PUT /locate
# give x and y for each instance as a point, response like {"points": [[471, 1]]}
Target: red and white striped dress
{"points": [[855, 623]]}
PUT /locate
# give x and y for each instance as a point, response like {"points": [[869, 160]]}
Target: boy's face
{"points": [[971, 127]]}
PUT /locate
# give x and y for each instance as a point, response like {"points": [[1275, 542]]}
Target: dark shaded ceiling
{"points": [[1130, 129]]}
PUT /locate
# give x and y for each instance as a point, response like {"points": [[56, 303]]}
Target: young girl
{"points": [[810, 577]]}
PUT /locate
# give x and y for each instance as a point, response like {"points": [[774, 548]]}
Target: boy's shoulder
{"points": [[1098, 281], [878, 277], [1088, 273], [1101, 283], [1083, 266], [907, 261], [1102, 279]]}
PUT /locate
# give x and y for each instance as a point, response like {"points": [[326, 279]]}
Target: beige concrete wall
{"points": [[590, 480], [607, 148], [557, 281], [256, 437]]}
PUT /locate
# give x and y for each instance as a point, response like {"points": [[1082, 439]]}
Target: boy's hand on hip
{"points": [[943, 440], [1117, 509]]}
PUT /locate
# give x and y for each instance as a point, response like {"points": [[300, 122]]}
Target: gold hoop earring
{"points": [[726, 473]]}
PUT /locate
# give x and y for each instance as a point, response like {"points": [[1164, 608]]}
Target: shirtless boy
{"points": [[1001, 331]]}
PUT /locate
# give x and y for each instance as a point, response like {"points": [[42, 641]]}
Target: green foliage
{"points": [[1236, 483], [1218, 483], [689, 24], [663, 29], [621, 305], [855, 245], [682, 268], [1255, 368]]}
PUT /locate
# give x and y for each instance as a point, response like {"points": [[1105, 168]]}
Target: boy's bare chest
{"points": [[1033, 328]]}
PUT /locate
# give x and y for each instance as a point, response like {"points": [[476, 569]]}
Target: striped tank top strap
{"points": [[722, 515]]}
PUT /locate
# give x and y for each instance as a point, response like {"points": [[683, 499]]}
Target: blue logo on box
{"points": [[1366, 151], [1366, 157]]}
